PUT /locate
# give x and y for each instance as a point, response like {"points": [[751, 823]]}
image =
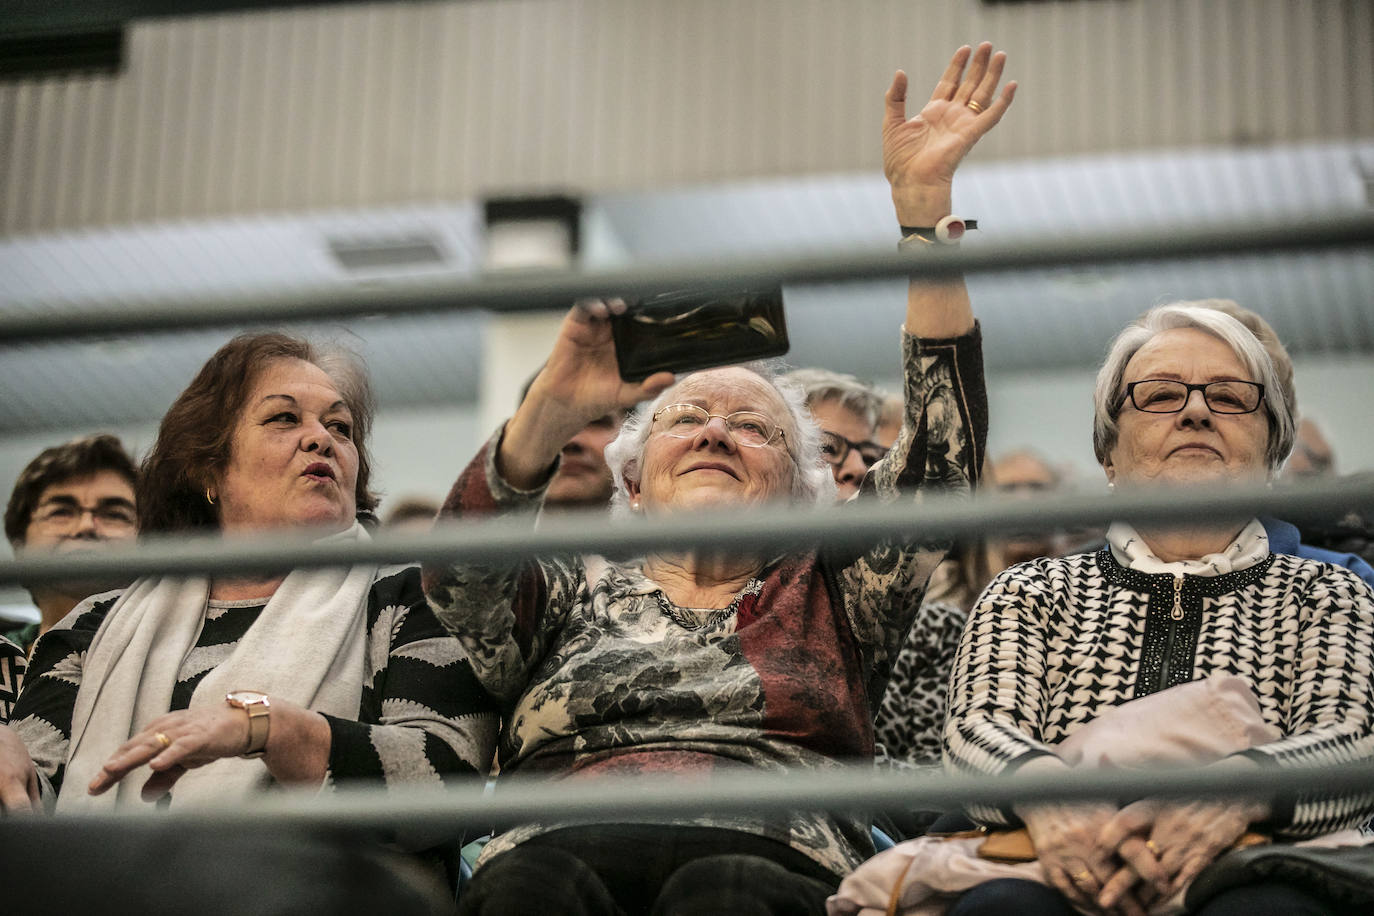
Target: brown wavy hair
{"points": [[193, 442]]}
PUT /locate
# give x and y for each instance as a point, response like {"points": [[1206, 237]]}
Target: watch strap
{"points": [[259, 723], [259, 711], [940, 232]]}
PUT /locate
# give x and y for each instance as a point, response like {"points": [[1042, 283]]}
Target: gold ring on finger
{"points": [[163, 740], [1081, 876], [977, 109], [1150, 845]]}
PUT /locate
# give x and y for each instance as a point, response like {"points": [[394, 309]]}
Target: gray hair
{"points": [[1265, 334], [1109, 394], [813, 482], [823, 385]]}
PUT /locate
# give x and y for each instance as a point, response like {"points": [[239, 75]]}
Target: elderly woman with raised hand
{"points": [[1187, 398], [693, 662], [210, 689]]}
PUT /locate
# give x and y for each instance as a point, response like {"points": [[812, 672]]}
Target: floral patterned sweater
{"points": [[599, 673]]}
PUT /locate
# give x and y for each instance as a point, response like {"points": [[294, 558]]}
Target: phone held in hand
{"points": [[689, 329]]}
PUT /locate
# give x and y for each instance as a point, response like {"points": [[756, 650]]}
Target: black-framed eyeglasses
{"points": [[1162, 395], [62, 515], [835, 449], [747, 428]]}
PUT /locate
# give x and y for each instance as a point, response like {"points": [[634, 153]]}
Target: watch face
{"points": [[246, 698]]}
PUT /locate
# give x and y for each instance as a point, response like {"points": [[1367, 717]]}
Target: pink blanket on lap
{"points": [[1194, 723]]}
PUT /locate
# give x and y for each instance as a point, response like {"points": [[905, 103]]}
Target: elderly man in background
{"points": [[78, 496], [847, 412]]}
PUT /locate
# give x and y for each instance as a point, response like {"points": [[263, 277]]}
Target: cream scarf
{"points": [[1130, 550], [307, 646]]}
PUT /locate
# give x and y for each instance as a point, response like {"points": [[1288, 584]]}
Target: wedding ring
{"points": [[1080, 877], [977, 109], [163, 740], [1150, 845]]}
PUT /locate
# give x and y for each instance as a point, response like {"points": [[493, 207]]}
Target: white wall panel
{"points": [[361, 105]]}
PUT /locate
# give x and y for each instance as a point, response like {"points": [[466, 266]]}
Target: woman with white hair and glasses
{"points": [[1187, 398], [693, 662]]}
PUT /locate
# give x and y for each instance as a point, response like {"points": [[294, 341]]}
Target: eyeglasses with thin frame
{"points": [[1162, 395], [58, 517], [747, 428], [835, 449]]}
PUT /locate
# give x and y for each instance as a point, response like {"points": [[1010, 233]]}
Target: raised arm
{"points": [[502, 613], [920, 156], [944, 431]]}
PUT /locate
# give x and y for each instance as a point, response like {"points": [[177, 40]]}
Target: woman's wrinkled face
{"points": [[710, 468], [292, 460], [1195, 445]]}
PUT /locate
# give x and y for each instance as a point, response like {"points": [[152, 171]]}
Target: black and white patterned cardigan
{"points": [[422, 719], [1053, 643], [12, 664]]}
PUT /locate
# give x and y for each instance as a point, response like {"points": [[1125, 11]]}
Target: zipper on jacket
{"points": [[1175, 615]]}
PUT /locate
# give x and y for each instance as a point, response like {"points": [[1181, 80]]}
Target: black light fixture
{"points": [[532, 231], [92, 50]]}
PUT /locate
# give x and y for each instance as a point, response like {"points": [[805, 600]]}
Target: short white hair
{"points": [[820, 385], [1109, 395], [812, 480]]}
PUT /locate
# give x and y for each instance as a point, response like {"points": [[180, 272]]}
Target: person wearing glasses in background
{"points": [[1187, 398], [75, 497], [847, 411]]}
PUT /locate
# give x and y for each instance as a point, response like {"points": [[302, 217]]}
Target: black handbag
{"points": [[1342, 877]]}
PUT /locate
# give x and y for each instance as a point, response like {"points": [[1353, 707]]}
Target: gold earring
{"points": [[208, 498]]}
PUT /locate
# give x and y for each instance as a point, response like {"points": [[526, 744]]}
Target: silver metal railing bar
{"points": [[855, 787], [528, 291], [763, 528]]}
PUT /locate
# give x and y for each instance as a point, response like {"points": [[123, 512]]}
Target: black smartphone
{"points": [[689, 329]]}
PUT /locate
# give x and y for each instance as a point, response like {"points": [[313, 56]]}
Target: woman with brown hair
{"points": [[206, 689]]}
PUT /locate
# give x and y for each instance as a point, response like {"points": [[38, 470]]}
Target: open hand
{"points": [[920, 155], [175, 743]]}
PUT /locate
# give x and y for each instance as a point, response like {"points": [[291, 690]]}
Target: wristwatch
{"points": [[948, 231], [259, 718]]}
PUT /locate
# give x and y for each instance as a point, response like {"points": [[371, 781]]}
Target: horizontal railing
{"points": [[763, 529], [854, 787], [536, 290]]}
